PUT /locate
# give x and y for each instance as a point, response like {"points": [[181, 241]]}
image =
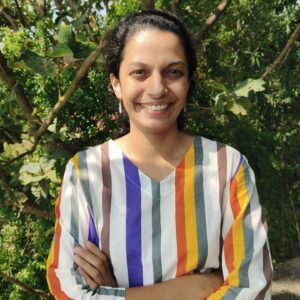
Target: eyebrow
{"points": [[140, 64]]}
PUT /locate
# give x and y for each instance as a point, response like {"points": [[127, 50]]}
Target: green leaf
{"points": [[61, 50], [239, 106], [37, 64], [243, 88], [216, 85], [83, 49], [65, 34]]}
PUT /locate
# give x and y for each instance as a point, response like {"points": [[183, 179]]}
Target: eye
{"points": [[138, 73], [174, 73]]}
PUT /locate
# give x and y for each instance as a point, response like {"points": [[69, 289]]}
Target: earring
{"points": [[120, 107], [184, 108]]}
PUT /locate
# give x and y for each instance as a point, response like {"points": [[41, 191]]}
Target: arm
{"points": [[95, 270], [246, 261], [71, 229]]}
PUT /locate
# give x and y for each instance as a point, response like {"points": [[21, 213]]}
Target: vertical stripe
{"points": [[133, 224], [247, 192], [147, 228], [267, 269], [180, 220], [239, 201], [84, 179], [117, 242], [222, 169], [53, 258], [168, 227], [156, 232], [74, 220], [200, 205], [190, 211], [106, 198], [93, 236]]}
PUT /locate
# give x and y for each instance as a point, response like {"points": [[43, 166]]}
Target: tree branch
{"points": [[62, 100], [10, 19], [24, 286], [221, 8], [284, 53], [148, 4], [11, 83], [20, 13]]}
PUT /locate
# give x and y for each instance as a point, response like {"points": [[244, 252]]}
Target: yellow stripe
{"points": [[74, 160], [237, 228], [219, 293], [190, 212]]}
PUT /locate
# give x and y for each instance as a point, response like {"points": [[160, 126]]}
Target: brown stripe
{"points": [[222, 168], [106, 198], [268, 271]]}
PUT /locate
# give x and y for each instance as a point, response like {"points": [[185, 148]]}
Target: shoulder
{"points": [[88, 159], [224, 155]]}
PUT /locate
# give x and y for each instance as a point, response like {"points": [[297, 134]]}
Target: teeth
{"points": [[155, 107]]}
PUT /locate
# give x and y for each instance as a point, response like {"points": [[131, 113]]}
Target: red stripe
{"points": [[53, 281], [180, 220]]}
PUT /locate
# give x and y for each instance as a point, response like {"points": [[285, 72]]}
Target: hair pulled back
{"points": [[133, 23]]}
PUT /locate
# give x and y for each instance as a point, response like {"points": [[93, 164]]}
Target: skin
{"points": [[153, 62]]}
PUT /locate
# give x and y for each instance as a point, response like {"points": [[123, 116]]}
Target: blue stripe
{"points": [[133, 224]]}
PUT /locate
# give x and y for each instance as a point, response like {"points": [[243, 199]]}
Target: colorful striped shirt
{"points": [[204, 215]]}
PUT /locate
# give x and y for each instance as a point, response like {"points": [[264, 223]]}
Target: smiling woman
{"points": [[157, 214]]}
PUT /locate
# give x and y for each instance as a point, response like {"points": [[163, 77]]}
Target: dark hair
{"points": [[136, 22]]}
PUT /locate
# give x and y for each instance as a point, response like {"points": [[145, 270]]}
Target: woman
{"points": [[157, 213]]}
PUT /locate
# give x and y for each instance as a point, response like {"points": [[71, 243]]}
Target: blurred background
{"points": [[54, 101]]}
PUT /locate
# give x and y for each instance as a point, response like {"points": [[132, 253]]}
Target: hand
{"points": [[94, 266], [210, 282]]}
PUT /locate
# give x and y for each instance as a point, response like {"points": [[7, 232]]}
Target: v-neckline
{"points": [[169, 175]]}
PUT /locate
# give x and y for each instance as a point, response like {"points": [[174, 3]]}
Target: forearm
{"points": [[188, 287]]}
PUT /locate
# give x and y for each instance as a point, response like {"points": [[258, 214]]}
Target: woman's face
{"points": [[153, 80]]}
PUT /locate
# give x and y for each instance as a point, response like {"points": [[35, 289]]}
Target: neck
{"points": [[151, 145]]}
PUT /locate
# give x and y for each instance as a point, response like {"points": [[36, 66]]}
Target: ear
{"points": [[115, 83]]}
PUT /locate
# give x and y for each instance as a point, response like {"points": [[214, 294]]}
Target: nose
{"points": [[155, 86]]}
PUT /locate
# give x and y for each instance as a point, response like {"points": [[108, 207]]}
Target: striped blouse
{"points": [[204, 215]]}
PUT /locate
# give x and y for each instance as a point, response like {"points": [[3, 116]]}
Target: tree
{"points": [[54, 102]]}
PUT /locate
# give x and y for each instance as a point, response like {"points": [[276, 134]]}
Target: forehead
{"points": [[153, 43]]}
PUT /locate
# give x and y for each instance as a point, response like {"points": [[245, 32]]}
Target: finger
{"points": [[89, 256], [94, 273], [97, 252], [90, 282]]}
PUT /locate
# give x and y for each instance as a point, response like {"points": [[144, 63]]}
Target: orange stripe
{"points": [[234, 202], [228, 243], [180, 221], [53, 281]]}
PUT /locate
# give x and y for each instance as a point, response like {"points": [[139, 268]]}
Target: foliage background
{"points": [[240, 97]]}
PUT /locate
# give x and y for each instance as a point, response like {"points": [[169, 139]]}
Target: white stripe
{"points": [[168, 228], [211, 196], [146, 224], [117, 239], [95, 178]]}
